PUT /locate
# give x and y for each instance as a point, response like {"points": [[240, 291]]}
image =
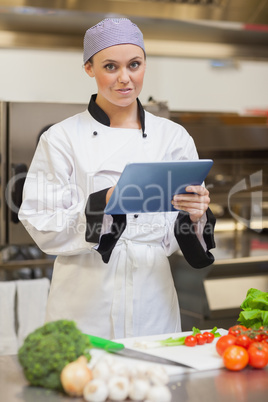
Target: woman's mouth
{"points": [[124, 91]]}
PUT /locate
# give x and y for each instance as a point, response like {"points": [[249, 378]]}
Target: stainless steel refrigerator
{"points": [[21, 124]]}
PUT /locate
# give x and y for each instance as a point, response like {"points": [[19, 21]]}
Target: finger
{"points": [[197, 209], [192, 211], [191, 198], [201, 190], [195, 214], [193, 205]]}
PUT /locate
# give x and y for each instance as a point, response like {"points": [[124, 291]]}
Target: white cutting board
{"points": [[200, 357]]}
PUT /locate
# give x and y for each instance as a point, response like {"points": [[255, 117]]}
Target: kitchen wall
{"points": [[186, 84]]}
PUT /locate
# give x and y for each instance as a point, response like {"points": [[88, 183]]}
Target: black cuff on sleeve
{"points": [[208, 232], [109, 240], [94, 215], [189, 244]]}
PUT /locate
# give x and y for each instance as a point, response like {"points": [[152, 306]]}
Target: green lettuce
{"points": [[255, 309]]}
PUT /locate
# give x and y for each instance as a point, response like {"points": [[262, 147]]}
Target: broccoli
{"points": [[47, 350]]}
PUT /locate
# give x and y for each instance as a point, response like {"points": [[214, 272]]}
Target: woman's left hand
{"points": [[195, 204]]}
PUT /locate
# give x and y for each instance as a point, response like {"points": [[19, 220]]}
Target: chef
{"points": [[111, 273]]}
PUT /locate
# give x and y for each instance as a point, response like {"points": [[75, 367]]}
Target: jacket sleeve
{"points": [[192, 249], [112, 227], [54, 203], [52, 210]]}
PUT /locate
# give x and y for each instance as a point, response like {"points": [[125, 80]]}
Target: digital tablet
{"points": [[150, 187]]}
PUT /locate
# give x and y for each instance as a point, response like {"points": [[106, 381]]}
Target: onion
{"points": [[75, 376]]}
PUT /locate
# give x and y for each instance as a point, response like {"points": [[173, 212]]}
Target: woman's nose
{"points": [[123, 76]]}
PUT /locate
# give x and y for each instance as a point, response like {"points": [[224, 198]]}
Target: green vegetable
{"points": [[214, 331], [255, 309], [173, 341], [47, 350], [180, 341]]}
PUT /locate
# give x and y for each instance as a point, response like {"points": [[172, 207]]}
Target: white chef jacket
{"points": [[133, 294]]}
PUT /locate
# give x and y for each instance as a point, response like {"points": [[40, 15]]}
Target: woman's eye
{"points": [[134, 65], [110, 67]]}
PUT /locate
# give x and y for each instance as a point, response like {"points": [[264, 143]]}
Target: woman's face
{"points": [[119, 72]]}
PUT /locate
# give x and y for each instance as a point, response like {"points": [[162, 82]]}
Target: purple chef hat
{"points": [[111, 32]]}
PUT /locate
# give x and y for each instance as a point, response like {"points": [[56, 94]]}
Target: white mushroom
{"points": [[120, 369], [141, 371], [102, 370], [96, 391], [109, 359], [93, 361], [158, 393], [138, 389], [157, 375], [132, 371], [118, 388]]}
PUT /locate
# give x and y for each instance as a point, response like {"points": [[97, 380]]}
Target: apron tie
{"points": [[127, 265]]}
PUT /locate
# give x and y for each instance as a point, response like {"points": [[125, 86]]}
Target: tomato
{"points": [[190, 340], [201, 339], [224, 342], [257, 338], [265, 342], [265, 335], [236, 330], [265, 345], [243, 340], [235, 358], [209, 336], [258, 355]]}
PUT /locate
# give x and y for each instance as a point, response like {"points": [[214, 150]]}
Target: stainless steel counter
{"points": [[248, 385]]}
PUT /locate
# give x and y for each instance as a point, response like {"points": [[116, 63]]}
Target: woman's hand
{"points": [[196, 204], [109, 194]]}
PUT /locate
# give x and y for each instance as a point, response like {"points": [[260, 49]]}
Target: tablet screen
{"points": [[150, 187]]}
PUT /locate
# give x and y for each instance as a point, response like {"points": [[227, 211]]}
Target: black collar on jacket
{"points": [[98, 114]]}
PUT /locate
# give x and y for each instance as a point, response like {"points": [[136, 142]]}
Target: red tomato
{"points": [[224, 342], [209, 336], [264, 337], [236, 330], [243, 340], [201, 339], [190, 340], [235, 358], [257, 338], [258, 355], [265, 345]]}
